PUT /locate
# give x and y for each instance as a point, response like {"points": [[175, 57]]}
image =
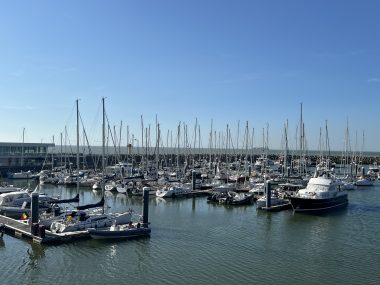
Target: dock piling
{"points": [[193, 180], [34, 212], [268, 193], [145, 206]]}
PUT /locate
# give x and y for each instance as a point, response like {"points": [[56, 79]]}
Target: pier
{"points": [[21, 229]]}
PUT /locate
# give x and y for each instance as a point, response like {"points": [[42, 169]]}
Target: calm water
{"points": [[193, 242]]}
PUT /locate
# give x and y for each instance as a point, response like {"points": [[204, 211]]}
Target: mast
{"points": [[195, 141], [52, 157], [252, 144], [77, 103], [158, 149], [103, 150], [227, 150], [61, 151], [120, 129], [178, 143], [157, 146], [142, 140], [22, 148], [237, 138], [301, 144], [286, 146], [210, 159], [246, 150], [66, 148]]}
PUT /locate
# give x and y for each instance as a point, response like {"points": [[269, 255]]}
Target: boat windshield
{"points": [[317, 188]]}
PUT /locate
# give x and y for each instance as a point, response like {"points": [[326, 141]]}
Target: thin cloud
{"points": [[374, 80]]}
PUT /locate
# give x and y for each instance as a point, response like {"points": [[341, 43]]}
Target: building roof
{"points": [[18, 144]]}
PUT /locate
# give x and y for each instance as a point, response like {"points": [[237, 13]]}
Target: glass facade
{"points": [[14, 154]]}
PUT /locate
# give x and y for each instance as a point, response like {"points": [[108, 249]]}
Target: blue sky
{"points": [[226, 61]]}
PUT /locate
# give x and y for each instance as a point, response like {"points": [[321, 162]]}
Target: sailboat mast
{"points": [[52, 157], [120, 129], [103, 149], [301, 133], [302, 142], [142, 140], [77, 104], [286, 146], [61, 151], [210, 159], [22, 148]]}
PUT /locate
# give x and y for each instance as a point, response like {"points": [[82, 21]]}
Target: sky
{"points": [[225, 62]]}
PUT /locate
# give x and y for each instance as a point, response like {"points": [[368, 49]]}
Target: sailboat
{"points": [[83, 218]]}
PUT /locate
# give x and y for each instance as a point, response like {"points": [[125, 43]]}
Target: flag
{"points": [[24, 216]]}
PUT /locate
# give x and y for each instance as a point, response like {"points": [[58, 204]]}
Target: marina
{"points": [[189, 142], [205, 237]]}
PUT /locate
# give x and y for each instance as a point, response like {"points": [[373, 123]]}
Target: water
{"points": [[193, 242]]}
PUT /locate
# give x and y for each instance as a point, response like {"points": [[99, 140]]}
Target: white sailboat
{"points": [[83, 219]]}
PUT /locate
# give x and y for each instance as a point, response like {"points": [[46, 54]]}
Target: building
{"points": [[23, 155]]}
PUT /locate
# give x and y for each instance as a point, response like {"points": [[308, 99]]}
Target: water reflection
{"points": [[222, 244], [34, 254]]}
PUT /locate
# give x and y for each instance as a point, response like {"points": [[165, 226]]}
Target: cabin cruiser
{"points": [[15, 204], [364, 181], [6, 188], [231, 198], [173, 191], [321, 194]]}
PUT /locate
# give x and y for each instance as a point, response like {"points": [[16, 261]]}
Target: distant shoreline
{"points": [[123, 150]]}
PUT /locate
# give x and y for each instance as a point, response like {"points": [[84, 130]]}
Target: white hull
{"points": [[93, 221], [173, 192]]}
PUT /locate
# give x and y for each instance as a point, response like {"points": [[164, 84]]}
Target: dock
{"points": [[277, 208], [21, 229], [38, 234], [198, 193]]}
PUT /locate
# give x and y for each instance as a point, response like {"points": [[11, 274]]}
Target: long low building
{"points": [[13, 155]]}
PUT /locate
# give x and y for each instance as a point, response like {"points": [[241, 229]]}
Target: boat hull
{"points": [[121, 234], [308, 205]]}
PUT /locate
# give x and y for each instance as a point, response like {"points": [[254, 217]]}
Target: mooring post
{"points": [[268, 193], [145, 206], [193, 179], [34, 212]]}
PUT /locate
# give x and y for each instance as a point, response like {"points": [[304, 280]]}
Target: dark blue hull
{"points": [[318, 205], [121, 234]]}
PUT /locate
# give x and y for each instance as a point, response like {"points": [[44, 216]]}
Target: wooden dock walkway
{"points": [[277, 208], [21, 229]]}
